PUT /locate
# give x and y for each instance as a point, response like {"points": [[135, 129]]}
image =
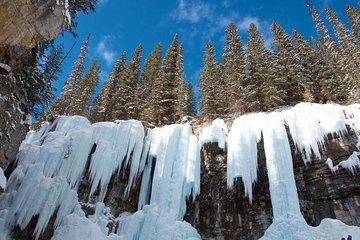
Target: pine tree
{"points": [[211, 84], [288, 71], [181, 104], [190, 100], [311, 69], [234, 70], [63, 105], [125, 98], [101, 110], [85, 90], [150, 73], [334, 88], [335, 77], [349, 60], [353, 16], [165, 90], [267, 91], [76, 6]]}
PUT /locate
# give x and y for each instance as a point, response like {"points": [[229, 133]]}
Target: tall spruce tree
{"points": [[234, 70], [288, 71], [334, 88], [349, 59], [63, 105], [181, 104], [267, 90], [165, 94], [190, 100], [353, 16], [101, 110], [85, 90], [150, 73], [311, 69], [211, 84], [125, 100]]}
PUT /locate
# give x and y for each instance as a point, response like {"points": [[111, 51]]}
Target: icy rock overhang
{"points": [[309, 127], [52, 162]]}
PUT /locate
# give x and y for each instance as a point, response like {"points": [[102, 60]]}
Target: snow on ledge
{"points": [[351, 164], [216, 133]]}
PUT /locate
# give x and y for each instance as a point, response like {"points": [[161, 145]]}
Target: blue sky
{"points": [[120, 25]]}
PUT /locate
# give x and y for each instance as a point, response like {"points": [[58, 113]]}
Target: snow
{"points": [[152, 224], [2, 179], [216, 133], [81, 228], [351, 164], [333, 229], [310, 124]]}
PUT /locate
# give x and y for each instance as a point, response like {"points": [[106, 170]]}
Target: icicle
{"points": [[310, 124], [244, 136], [115, 142], [38, 195], [176, 176], [284, 198]]}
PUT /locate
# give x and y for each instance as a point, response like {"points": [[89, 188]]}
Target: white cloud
{"points": [[192, 11], [244, 23], [214, 22], [104, 51]]}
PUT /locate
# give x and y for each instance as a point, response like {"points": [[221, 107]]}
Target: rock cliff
{"points": [[23, 25], [26, 23], [219, 213]]}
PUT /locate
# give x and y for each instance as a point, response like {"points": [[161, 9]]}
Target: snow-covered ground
{"points": [[52, 161]]}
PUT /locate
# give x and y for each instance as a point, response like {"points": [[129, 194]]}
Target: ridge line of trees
{"points": [[248, 79]]}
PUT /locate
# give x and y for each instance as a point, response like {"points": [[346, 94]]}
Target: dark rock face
{"points": [[220, 213], [324, 194], [12, 127]]}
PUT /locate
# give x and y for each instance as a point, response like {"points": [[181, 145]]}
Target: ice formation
{"points": [[115, 143], [333, 229], [174, 157], [53, 160], [309, 125], [215, 133], [351, 164], [2, 179], [244, 135]]}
